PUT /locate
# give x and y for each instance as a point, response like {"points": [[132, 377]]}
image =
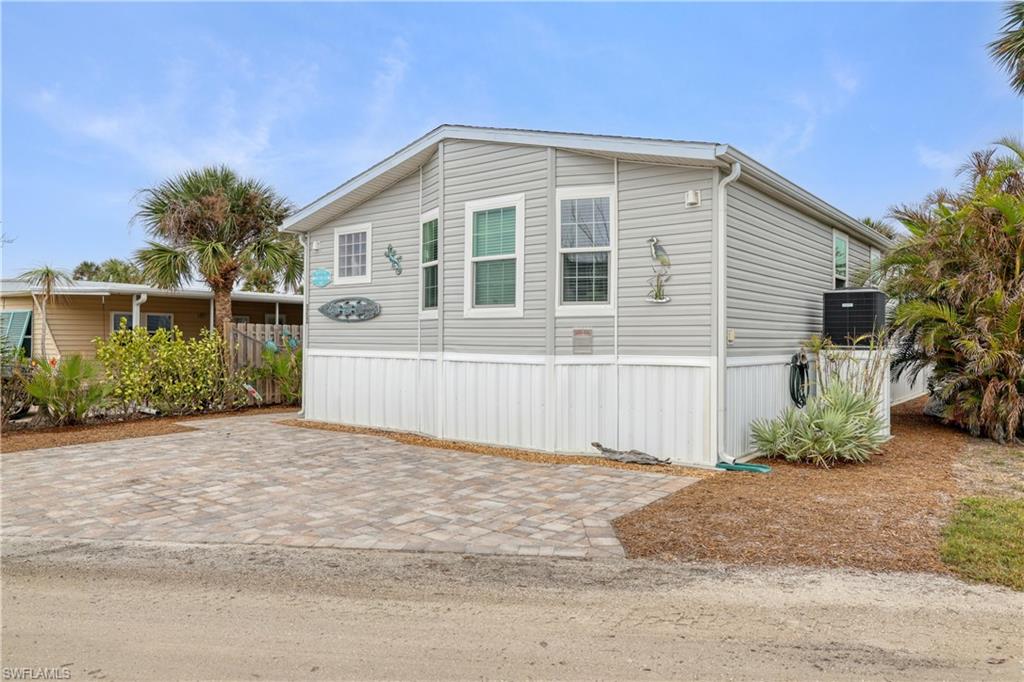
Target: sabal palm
{"points": [[48, 279], [1008, 48], [212, 223]]}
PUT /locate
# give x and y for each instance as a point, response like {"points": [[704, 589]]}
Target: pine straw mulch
{"points": [[884, 515], [31, 438], [495, 451]]}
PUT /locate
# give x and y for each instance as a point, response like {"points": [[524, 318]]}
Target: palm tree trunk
{"points": [[222, 306], [42, 336]]}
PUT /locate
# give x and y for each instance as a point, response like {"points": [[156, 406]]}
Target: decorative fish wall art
{"points": [[350, 309]]}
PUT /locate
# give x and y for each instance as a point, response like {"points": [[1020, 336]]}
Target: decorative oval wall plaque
{"points": [[351, 309], [320, 277]]}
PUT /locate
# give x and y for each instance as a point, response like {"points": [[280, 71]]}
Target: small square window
{"points": [[353, 254]]}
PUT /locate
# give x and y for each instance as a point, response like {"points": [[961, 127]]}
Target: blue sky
{"points": [[866, 105]]}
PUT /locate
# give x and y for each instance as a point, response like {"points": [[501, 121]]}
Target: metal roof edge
{"points": [[703, 151], [801, 196]]}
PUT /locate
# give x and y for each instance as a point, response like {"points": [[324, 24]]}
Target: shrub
{"points": [[839, 425], [166, 372], [959, 282], [284, 368], [66, 390], [14, 373]]}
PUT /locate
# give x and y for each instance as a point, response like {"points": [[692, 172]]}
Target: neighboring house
{"points": [[86, 310], [523, 313]]}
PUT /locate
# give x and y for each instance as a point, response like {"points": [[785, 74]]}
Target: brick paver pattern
{"points": [[250, 480]]}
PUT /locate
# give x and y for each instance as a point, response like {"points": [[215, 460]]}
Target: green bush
{"points": [[166, 372], [14, 373], [284, 368], [67, 390], [840, 425]]}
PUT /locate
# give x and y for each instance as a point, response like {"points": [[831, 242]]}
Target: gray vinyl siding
{"points": [[651, 204], [430, 183], [394, 214], [779, 261], [475, 170], [575, 170]]}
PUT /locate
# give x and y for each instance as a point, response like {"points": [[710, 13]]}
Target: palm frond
{"points": [[164, 266]]}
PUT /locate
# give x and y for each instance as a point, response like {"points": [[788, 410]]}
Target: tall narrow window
{"points": [[840, 264], [428, 264], [353, 251], [494, 257], [585, 251]]}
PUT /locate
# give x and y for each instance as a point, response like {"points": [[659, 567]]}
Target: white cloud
{"points": [[807, 108], [934, 159], [201, 116]]}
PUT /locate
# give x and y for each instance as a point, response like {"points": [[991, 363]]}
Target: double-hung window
{"points": [[840, 259], [586, 240], [353, 247], [494, 257], [428, 264]]}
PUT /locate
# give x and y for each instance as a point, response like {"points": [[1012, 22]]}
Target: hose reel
{"points": [[798, 378]]}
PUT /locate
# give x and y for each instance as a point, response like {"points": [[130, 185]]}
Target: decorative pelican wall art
{"points": [[661, 265]]}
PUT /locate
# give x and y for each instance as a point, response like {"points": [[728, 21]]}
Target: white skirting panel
{"points": [[495, 402], [759, 389], [365, 391], [507, 400], [903, 389], [753, 391], [665, 411], [586, 407]]}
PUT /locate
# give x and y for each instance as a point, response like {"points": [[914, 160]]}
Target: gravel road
{"points": [[149, 611]]}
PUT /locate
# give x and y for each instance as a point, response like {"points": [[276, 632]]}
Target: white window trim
{"points": [[588, 309], [517, 201], [273, 318], [349, 229], [433, 214], [145, 318], [837, 234], [241, 319]]}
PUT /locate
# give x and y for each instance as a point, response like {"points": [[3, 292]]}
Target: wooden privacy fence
{"points": [[246, 342]]}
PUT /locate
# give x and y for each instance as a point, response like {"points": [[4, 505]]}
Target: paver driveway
{"points": [[250, 480]]}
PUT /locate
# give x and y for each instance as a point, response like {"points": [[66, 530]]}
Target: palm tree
{"points": [[118, 270], [212, 223], [48, 279], [86, 270], [881, 227], [1008, 48]]}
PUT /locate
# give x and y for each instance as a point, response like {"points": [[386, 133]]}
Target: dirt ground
{"points": [[16, 440], [494, 451], [884, 515], [153, 612], [987, 468]]}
